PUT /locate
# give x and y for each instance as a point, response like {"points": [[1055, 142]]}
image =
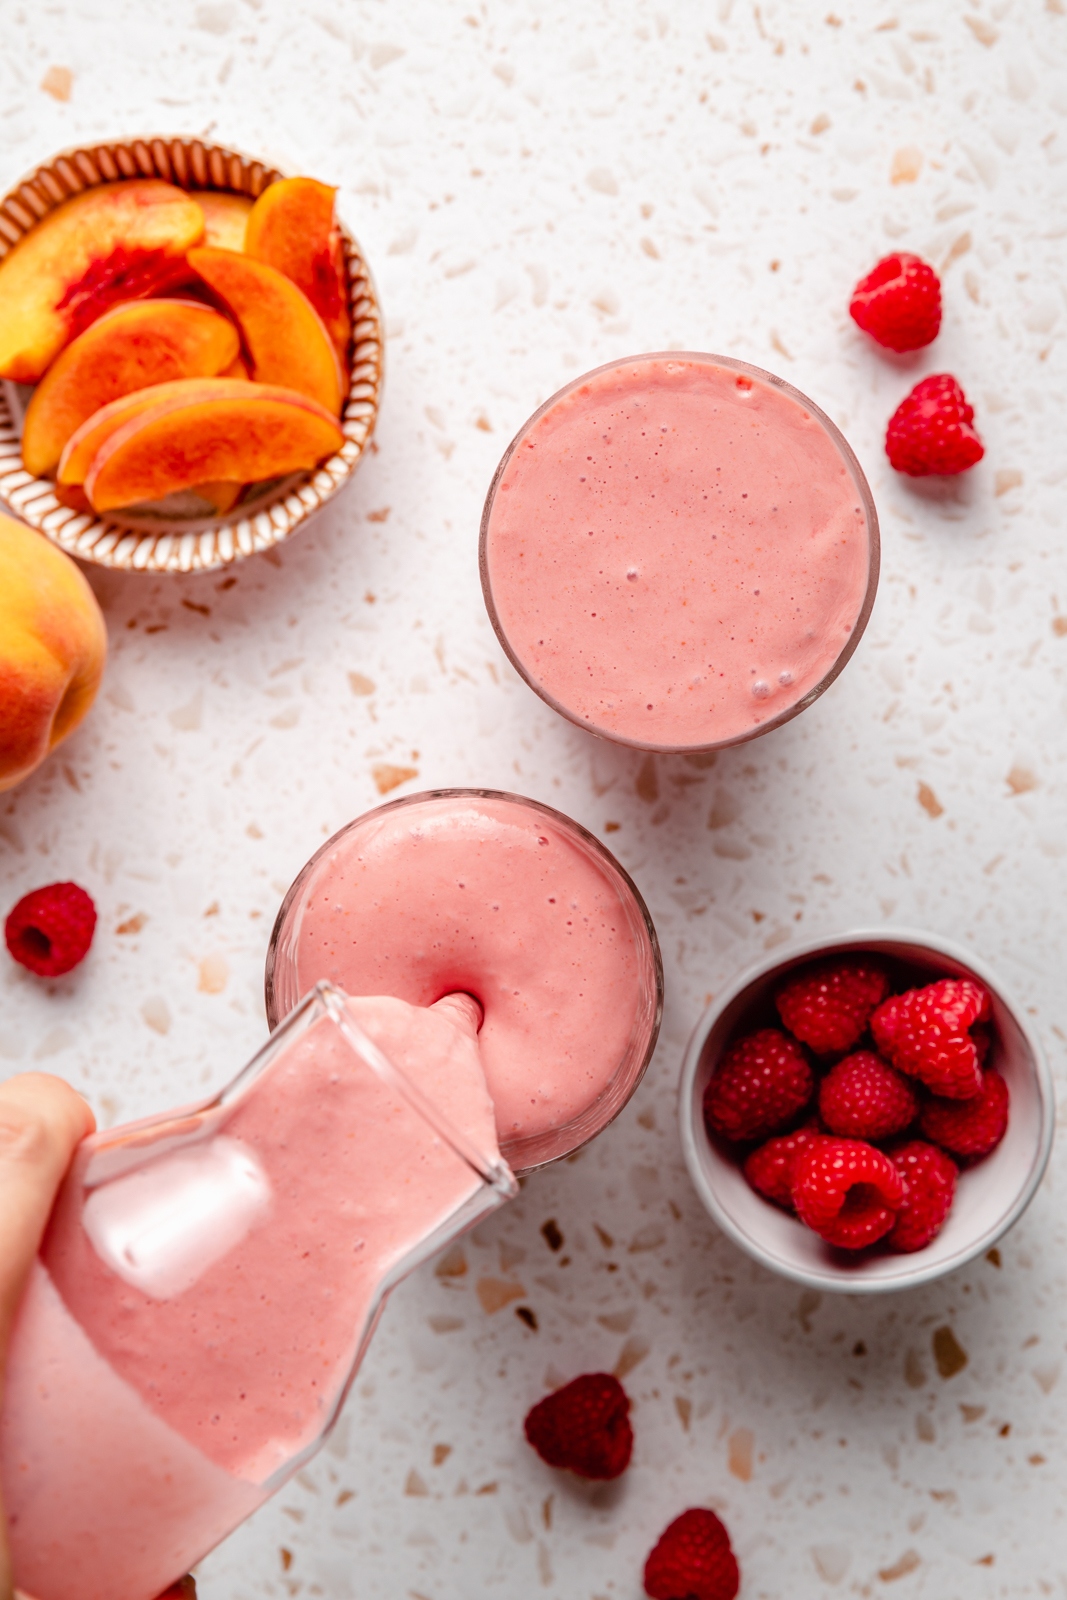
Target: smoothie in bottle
{"points": [[210, 1279]]}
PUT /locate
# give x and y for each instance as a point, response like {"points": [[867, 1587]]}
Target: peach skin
{"points": [[283, 333], [293, 227], [118, 241], [225, 217], [130, 347], [262, 431], [53, 645]]}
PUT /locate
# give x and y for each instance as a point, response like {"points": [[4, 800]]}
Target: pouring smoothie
{"points": [[513, 903], [210, 1279]]}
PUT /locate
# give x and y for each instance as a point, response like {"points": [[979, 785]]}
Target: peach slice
{"points": [[119, 241], [293, 227], [238, 368], [130, 347], [225, 217], [82, 447], [282, 331], [73, 496], [211, 433], [221, 495]]}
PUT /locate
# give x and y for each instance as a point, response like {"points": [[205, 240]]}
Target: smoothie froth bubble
{"points": [[679, 551], [506, 900]]}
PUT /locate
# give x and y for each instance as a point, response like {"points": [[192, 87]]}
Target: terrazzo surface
{"points": [[541, 187]]}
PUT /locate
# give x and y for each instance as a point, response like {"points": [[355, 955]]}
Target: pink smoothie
{"points": [[163, 1382], [510, 902], [677, 551], [73, 1438]]}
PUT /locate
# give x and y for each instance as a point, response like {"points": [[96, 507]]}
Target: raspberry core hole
{"points": [[861, 1200], [35, 943]]}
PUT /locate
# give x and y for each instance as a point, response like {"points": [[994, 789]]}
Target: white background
{"points": [[542, 186]]}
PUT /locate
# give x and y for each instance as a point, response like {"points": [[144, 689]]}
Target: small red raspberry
{"points": [[847, 1191], [930, 431], [771, 1169], [759, 1086], [899, 302], [827, 1006], [862, 1097], [925, 1034], [969, 1127], [584, 1427], [693, 1560], [51, 929], [929, 1186]]}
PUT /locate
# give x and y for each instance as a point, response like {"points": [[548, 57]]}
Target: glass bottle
{"points": [[211, 1277]]}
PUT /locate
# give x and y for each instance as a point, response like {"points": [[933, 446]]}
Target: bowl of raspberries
{"points": [[868, 1113]]}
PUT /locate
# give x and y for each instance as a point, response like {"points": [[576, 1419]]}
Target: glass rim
{"points": [[604, 856], [863, 489]]}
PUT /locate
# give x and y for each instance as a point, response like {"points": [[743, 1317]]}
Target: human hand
{"points": [[41, 1122]]}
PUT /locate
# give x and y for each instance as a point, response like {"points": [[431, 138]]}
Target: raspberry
{"points": [[759, 1086], [847, 1191], [584, 1427], [898, 303], [931, 432], [693, 1560], [925, 1034], [969, 1127], [929, 1186], [828, 1006], [184, 1589], [862, 1097], [771, 1168], [51, 929]]}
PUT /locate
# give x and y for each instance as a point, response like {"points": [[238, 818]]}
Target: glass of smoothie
{"points": [[209, 1281], [679, 551], [506, 900]]}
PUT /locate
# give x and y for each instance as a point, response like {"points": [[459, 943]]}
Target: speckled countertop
{"points": [[541, 187]]}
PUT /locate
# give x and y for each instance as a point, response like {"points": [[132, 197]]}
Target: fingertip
{"points": [[65, 1113]]}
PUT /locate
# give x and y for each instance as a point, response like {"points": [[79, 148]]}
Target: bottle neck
{"points": [[462, 1009]]}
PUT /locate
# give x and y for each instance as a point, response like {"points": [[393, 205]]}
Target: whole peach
{"points": [[53, 645]]}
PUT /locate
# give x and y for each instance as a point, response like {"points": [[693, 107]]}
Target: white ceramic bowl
{"points": [[990, 1197]]}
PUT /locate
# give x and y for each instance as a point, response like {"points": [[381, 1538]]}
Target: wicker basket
{"points": [[144, 542]]}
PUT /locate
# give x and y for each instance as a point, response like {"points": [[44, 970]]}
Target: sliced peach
{"points": [[82, 446], [73, 496], [119, 241], [293, 226], [211, 433], [221, 495], [238, 368], [225, 217], [282, 331], [130, 347]]}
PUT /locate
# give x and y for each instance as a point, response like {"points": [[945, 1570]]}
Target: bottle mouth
{"points": [[465, 1009], [493, 1170]]}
